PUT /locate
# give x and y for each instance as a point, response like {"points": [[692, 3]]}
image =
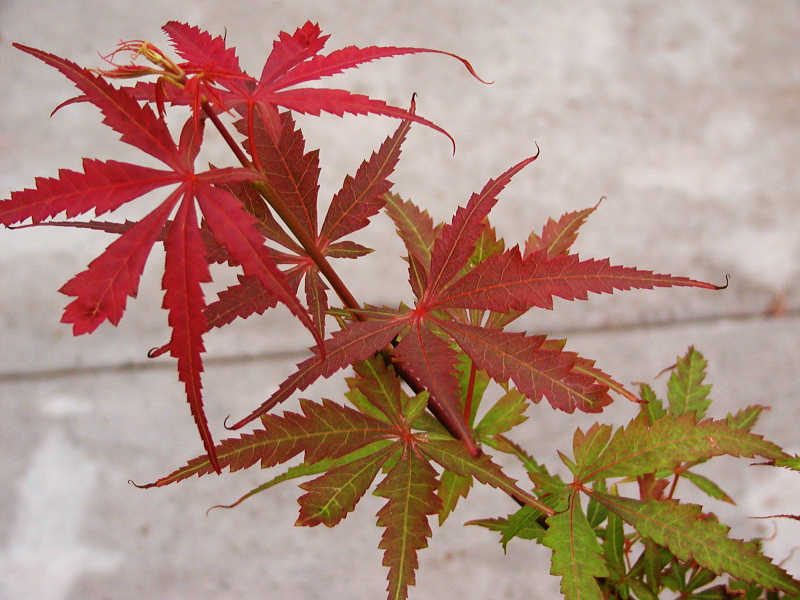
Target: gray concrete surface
{"points": [[685, 116]]}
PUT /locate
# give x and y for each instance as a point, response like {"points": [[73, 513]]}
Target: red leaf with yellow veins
{"points": [[558, 236], [455, 244], [535, 371], [362, 196], [415, 228], [507, 282]]}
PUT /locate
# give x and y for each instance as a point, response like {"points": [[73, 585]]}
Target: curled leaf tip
{"points": [[241, 422], [157, 351], [226, 506], [140, 486], [76, 99], [727, 282]]}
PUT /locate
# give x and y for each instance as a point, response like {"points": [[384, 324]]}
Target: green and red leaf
{"points": [[410, 488], [326, 430], [577, 555], [558, 236], [330, 497], [430, 361], [456, 243], [536, 372]]}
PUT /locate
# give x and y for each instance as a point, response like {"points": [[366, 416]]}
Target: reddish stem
{"points": [[470, 393]]}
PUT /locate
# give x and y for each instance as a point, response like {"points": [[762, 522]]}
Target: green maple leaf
{"points": [[686, 391], [640, 448], [522, 524], [691, 535], [577, 555]]}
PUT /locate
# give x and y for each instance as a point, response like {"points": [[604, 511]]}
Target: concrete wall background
{"points": [[685, 117]]}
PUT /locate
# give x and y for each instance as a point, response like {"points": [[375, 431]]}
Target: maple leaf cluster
{"points": [[261, 217]]}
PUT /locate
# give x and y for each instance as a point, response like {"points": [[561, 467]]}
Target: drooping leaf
{"points": [[330, 497], [686, 390], [577, 555], [507, 282], [535, 372], [410, 490], [101, 291], [691, 535], [358, 341], [326, 430], [184, 271], [523, 524], [638, 448]]}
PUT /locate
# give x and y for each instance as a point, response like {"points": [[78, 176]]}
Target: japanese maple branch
{"points": [[458, 430]]}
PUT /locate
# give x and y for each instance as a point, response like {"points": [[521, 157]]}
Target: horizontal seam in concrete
{"points": [[238, 359]]}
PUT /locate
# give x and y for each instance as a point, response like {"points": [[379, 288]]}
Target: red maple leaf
{"points": [[101, 291], [212, 73]]}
